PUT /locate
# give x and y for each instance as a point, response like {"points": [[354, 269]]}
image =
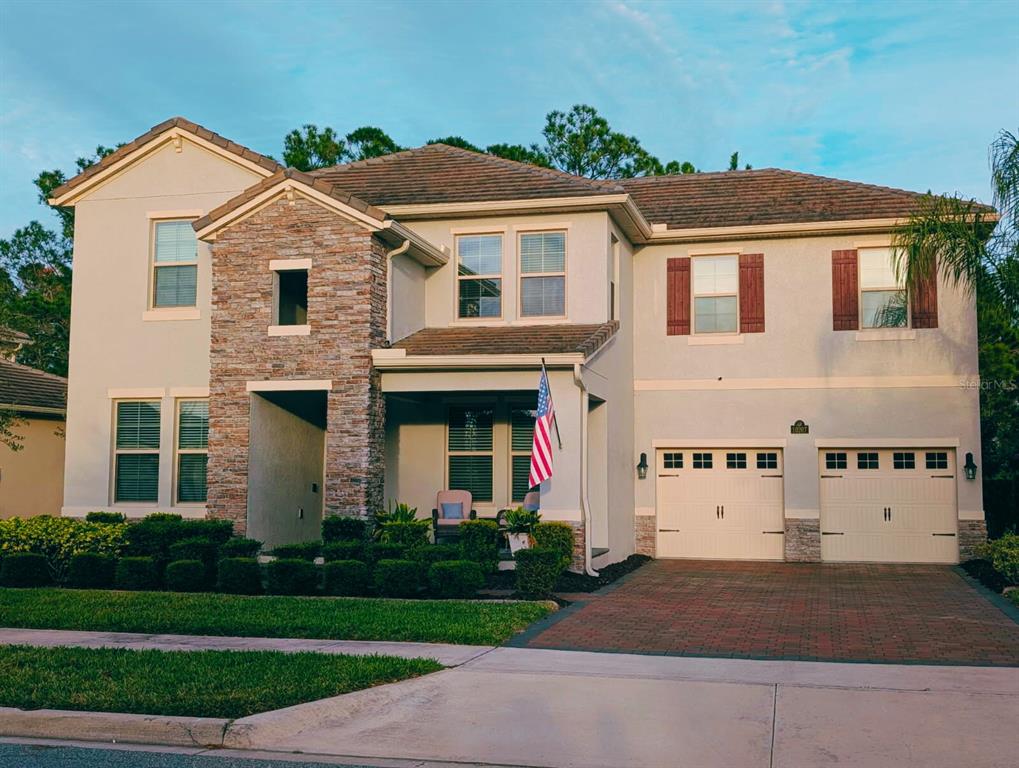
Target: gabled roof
{"points": [[107, 163], [509, 340], [27, 388], [439, 173]]}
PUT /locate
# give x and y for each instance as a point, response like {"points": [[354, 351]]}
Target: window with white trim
{"points": [[715, 294], [469, 450], [735, 461], [174, 265], [136, 451], [882, 293], [903, 460], [835, 460], [542, 274], [479, 276], [521, 442], [672, 461], [936, 459], [192, 450], [702, 461], [867, 460], [767, 461]]}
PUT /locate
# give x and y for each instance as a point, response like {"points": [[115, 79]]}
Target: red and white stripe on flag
{"points": [[541, 447]]}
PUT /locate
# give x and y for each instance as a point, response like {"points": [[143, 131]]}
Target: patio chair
{"points": [[451, 509]]}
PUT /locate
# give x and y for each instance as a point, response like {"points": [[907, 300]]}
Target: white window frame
{"points": [[884, 289], [154, 223], [694, 295], [178, 451], [458, 278], [521, 275], [481, 405], [115, 451]]}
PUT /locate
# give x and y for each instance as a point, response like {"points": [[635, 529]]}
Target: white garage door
{"points": [[720, 503], [888, 505]]}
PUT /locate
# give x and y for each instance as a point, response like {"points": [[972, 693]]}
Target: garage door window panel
{"points": [[735, 461], [767, 461], [836, 460], [867, 461], [903, 460], [672, 460], [702, 461], [937, 460]]}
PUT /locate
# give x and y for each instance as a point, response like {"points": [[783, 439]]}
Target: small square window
{"points": [[937, 460], [672, 460], [835, 460], [292, 297], [866, 461], [735, 461], [702, 461], [767, 461], [905, 460]]}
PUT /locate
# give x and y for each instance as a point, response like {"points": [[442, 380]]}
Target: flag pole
{"points": [[555, 416]]}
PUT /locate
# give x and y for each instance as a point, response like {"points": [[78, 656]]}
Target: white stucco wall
{"points": [[407, 296]]}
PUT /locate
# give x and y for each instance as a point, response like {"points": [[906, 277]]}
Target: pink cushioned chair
{"points": [[451, 509]]}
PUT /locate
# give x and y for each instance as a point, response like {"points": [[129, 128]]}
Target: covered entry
{"points": [[723, 503]]}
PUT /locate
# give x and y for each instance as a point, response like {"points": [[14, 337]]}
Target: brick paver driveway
{"points": [[877, 613]]}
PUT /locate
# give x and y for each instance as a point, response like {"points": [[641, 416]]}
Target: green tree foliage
{"points": [[456, 141], [532, 154], [310, 148], [367, 142]]}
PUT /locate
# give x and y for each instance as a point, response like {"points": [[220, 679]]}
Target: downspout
{"points": [[585, 504], [389, 285]]}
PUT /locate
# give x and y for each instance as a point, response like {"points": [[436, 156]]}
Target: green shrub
{"points": [[381, 551], [239, 576], [186, 576], [292, 576], [342, 528], [105, 517], [433, 553], [24, 569], [136, 573], [397, 578], [479, 542], [88, 570], [219, 531], [59, 538], [307, 550], [455, 578], [344, 550], [521, 520], [1003, 554], [163, 517], [348, 578], [406, 534], [237, 546], [195, 548], [556, 536], [537, 571], [156, 533]]}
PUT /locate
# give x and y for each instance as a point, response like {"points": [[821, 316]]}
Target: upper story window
{"points": [[882, 294], [136, 451], [291, 297], [174, 265], [542, 274], [479, 276], [715, 294]]}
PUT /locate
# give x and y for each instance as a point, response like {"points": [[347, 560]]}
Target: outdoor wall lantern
{"points": [[642, 466], [970, 467]]}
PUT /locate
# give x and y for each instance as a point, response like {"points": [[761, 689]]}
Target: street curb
{"points": [[114, 727]]}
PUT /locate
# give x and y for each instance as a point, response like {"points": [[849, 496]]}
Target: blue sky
{"points": [[906, 94]]}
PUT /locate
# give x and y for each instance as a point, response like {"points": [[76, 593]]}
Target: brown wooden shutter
{"points": [[751, 293], [924, 301], [678, 297], [845, 297]]}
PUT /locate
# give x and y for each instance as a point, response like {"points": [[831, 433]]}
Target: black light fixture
{"points": [[642, 466], [970, 467]]}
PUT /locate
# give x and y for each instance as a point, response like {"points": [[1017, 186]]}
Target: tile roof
{"points": [[174, 122], [509, 340], [439, 173], [31, 388]]}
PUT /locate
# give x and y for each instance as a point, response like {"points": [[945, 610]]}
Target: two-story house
{"points": [[736, 370]]}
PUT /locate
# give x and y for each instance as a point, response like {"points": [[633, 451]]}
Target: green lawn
{"points": [[428, 621], [226, 684]]}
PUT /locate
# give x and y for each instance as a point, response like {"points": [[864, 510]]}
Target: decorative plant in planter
{"points": [[519, 524]]}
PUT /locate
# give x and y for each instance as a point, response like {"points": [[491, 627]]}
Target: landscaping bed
{"points": [[472, 622], [997, 567], [228, 684], [569, 581]]}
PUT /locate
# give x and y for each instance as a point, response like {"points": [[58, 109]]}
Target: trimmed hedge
{"points": [[411, 534], [1003, 554], [346, 578], [397, 578], [292, 576], [455, 578], [557, 536], [239, 576], [88, 570], [433, 553], [307, 550], [59, 538], [479, 542], [186, 576], [380, 551], [344, 550], [156, 533], [342, 528], [136, 573], [237, 546], [537, 570], [24, 569], [105, 517]]}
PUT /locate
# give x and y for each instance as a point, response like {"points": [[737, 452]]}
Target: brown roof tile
{"points": [[30, 388], [509, 340]]}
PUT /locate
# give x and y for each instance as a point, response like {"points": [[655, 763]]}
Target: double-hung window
{"points": [[192, 450], [543, 274], [521, 442], [479, 276], [174, 265], [715, 294], [882, 294], [469, 450], [136, 451]]}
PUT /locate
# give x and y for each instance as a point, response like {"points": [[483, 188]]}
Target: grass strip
{"points": [[469, 622], [226, 684]]}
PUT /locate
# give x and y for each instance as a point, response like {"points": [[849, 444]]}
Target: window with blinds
{"points": [[174, 265], [543, 274], [136, 451], [192, 450], [469, 450], [521, 439], [479, 276]]}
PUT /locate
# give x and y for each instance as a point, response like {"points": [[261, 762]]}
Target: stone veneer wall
{"points": [[645, 536], [972, 533], [802, 540], [347, 315], [578, 547]]}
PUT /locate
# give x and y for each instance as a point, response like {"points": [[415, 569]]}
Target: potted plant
{"points": [[519, 523]]}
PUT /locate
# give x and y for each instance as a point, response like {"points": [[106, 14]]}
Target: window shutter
{"points": [[678, 297], [844, 291], [924, 301], [751, 293]]}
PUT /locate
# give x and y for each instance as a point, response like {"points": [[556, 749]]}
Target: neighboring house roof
{"points": [[509, 340], [30, 388], [439, 173], [11, 336]]}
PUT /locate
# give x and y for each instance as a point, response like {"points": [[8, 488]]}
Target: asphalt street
{"points": [[35, 756]]}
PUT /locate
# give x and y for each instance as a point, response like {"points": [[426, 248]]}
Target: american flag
{"points": [[541, 448]]}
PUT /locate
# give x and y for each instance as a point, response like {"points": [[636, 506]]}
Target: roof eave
{"points": [[771, 231], [398, 360]]}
